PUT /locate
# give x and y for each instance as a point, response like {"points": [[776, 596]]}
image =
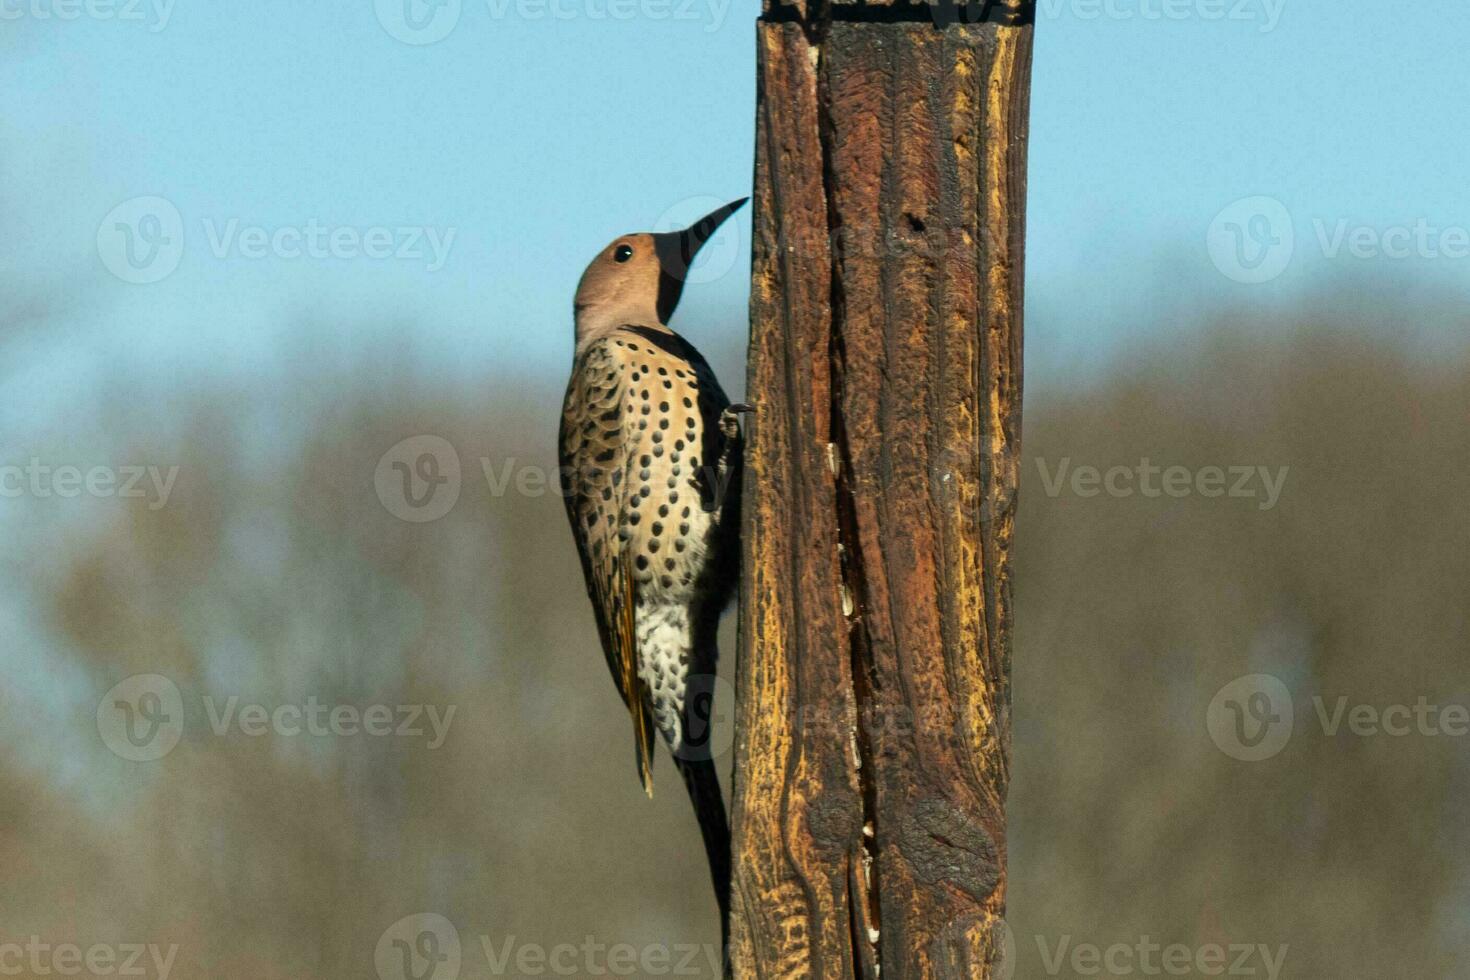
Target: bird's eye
{"points": [[623, 253]]}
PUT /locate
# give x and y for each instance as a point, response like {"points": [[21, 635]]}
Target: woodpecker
{"points": [[651, 453]]}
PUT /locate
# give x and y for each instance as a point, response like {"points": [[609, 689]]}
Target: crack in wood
{"points": [[862, 884]]}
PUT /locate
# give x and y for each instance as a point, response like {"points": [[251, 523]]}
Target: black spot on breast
{"points": [[657, 528], [666, 581], [641, 561], [653, 545]]}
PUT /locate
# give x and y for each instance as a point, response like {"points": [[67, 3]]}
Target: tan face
{"points": [[621, 284]]}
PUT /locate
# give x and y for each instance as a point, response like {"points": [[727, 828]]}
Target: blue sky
{"points": [[535, 130]]}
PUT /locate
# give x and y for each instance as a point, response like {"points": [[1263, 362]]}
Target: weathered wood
{"points": [[873, 736]]}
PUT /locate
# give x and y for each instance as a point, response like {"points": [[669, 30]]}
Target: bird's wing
{"points": [[594, 468]]}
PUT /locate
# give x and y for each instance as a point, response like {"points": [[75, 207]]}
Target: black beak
{"points": [[676, 251]]}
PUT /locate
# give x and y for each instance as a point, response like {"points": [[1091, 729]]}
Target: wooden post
{"points": [[873, 736]]}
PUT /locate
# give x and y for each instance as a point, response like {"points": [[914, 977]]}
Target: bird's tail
{"points": [[703, 783]]}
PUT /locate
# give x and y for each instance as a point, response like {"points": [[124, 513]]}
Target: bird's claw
{"points": [[730, 419]]}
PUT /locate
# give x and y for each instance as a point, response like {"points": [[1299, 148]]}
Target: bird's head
{"points": [[639, 278]]}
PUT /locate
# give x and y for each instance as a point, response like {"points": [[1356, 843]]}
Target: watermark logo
{"points": [[1252, 240], [709, 719], [1252, 718], [419, 947], [141, 240], [141, 719], [418, 480], [418, 22]]}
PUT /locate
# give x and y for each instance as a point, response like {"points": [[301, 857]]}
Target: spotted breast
{"points": [[651, 463]]}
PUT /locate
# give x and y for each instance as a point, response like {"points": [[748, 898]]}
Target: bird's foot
{"points": [[730, 419]]}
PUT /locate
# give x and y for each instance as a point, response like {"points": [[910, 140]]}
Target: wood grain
{"points": [[873, 733]]}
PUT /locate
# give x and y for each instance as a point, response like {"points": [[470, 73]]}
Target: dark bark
{"points": [[873, 738]]}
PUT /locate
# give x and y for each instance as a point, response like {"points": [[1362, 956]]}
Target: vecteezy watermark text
{"points": [[1255, 240], [320, 720], [155, 13], [419, 479], [1253, 718], [1147, 479], [1153, 959], [427, 946], [141, 719], [42, 480], [314, 240], [424, 22], [142, 241], [1265, 13], [35, 957]]}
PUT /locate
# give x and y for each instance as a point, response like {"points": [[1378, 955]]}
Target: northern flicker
{"points": [[650, 459]]}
